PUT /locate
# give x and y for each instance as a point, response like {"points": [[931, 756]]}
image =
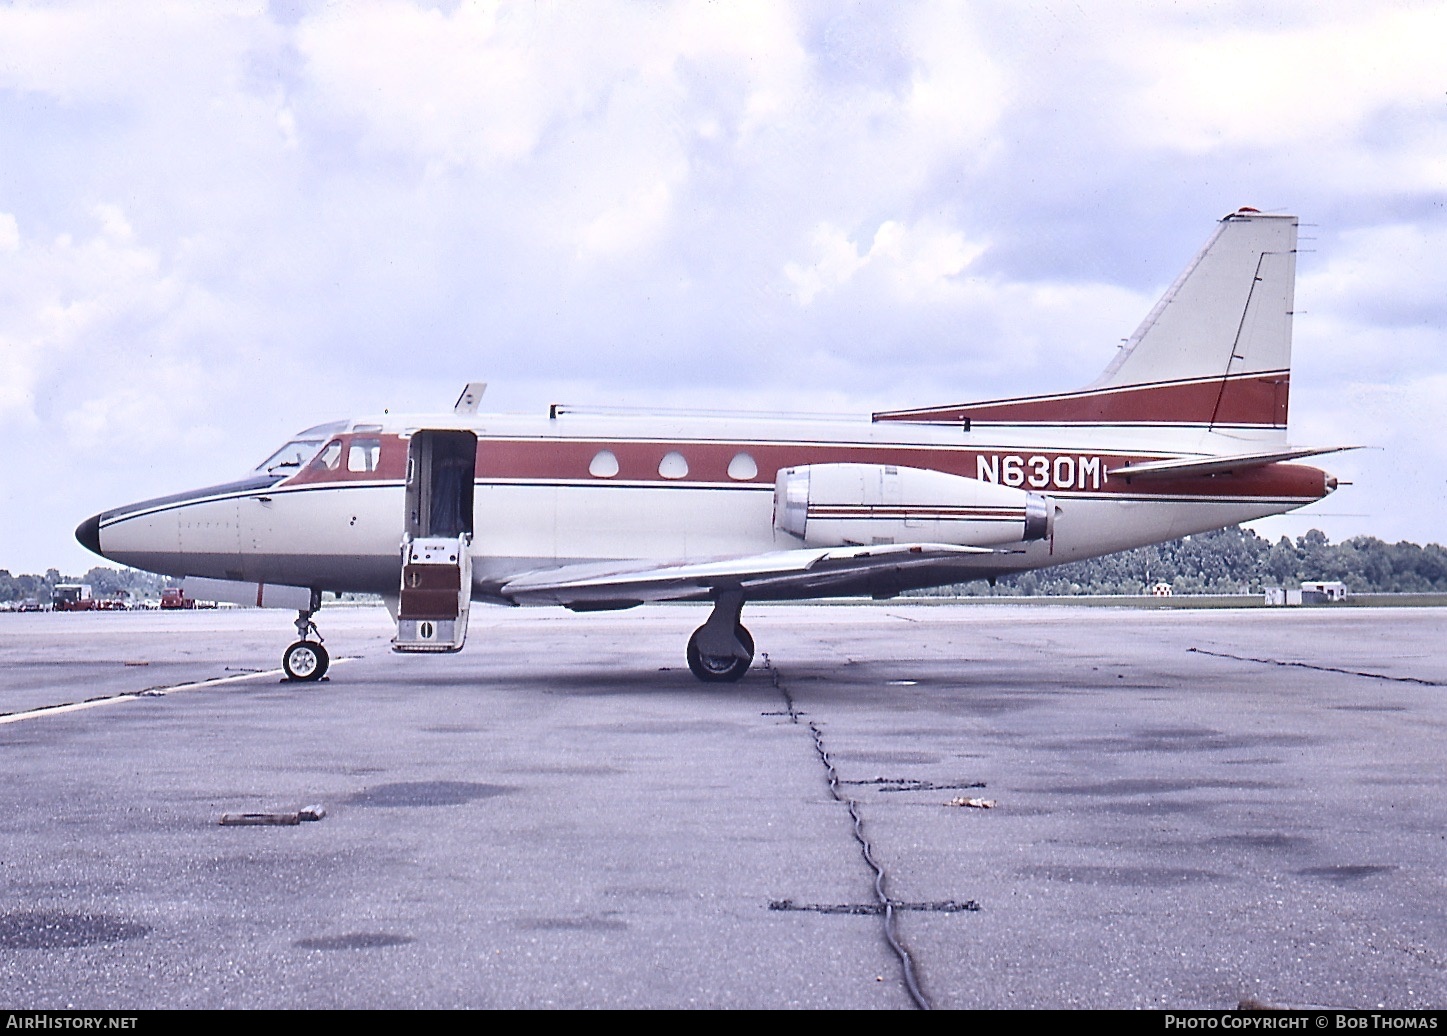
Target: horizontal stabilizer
{"points": [[1183, 467]]}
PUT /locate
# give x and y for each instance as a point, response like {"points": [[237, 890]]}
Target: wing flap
{"points": [[800, 571]]}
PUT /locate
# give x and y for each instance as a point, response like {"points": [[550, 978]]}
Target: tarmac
{"points": [[1187, 809]]}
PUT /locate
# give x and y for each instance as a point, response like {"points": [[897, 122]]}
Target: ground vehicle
{"points": [[73, 597], [174, 598]]}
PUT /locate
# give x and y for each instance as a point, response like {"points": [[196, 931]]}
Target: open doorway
{"points": [[440, 469], [436, 587]]}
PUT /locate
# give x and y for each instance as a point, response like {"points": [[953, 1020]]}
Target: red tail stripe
{"points": [[1255, 399]]}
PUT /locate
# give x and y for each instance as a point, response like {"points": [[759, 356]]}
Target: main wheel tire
{"points": [[746, 639], [720, 669], [305, 660]]}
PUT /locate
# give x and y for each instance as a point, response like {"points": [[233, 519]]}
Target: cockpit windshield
{"points": [[303, 447], [290, 457]]}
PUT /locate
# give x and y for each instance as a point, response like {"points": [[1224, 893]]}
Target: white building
{"points": [[1323, 593]]}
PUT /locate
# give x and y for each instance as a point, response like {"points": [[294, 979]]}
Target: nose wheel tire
{"points": [[720, 668], [305, 660]]}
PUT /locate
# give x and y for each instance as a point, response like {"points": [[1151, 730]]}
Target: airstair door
{"points": [[437, 544]]}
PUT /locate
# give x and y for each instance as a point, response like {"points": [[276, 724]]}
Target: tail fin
{"points": [[1215, 351]]}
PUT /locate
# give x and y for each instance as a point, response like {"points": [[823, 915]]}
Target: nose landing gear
{"points": [[306, 660]]}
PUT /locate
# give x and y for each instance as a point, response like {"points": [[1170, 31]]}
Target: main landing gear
{"points": [[721, 650], [306, 659]]}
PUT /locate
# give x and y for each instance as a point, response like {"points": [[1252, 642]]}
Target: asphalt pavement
{"points": [[1185, 809]]}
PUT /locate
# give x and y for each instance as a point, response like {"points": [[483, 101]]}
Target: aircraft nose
{"points": [[87, 533]]}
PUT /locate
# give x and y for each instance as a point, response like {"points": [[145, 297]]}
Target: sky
{"points": [[220, 224]]}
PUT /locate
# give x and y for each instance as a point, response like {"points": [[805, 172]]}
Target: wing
{"points": [[778, 574]]}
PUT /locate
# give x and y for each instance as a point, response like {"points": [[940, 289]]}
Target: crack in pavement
{"points": [[910, 784], [1319, 668], [886, 906], [948, 906]]}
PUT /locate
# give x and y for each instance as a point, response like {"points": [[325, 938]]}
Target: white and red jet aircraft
{"points": [[1184, 431]]}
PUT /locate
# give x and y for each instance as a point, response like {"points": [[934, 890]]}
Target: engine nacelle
{"points": [[835, 505]]}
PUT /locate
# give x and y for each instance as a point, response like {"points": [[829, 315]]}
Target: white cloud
{"points": [[97, 53], [1273, 86], [957, 92], [487, 82], [1391, 273], [628, 226], [111, 351], [838, 261], [286, 125], [913, 260], [457, 87], [1394, 488], [113, 222]]}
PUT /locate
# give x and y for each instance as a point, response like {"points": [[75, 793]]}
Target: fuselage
{"points": [[578, 488]]}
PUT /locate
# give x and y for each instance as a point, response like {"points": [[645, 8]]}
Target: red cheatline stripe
{"points": [[959, 516], [908, 508], [511, 459], [864, 512]]}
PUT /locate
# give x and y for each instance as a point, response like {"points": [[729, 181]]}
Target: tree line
{"points": [[1236, 560], [1228, 561]]}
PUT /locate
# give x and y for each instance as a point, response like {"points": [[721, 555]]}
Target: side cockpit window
{"points": [[330, 457], [289, 459]]}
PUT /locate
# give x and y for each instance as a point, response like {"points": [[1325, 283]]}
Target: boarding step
{"points": [[436, 591]]}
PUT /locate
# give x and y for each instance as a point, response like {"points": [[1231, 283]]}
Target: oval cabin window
{"points": [[605, 464], [673, 465], [742, 467]]}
